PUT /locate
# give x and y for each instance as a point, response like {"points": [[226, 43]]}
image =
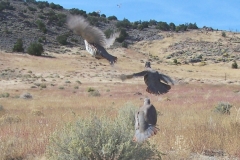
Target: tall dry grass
{"points": [[186, 119]]}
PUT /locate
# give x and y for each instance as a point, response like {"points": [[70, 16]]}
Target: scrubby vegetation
{"points": [[18, 46], [35, 49], [100, 138]]}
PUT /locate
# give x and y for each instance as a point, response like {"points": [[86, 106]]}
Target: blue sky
{"points": [[219, 14]]}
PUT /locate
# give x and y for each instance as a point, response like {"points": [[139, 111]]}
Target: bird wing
{"points": [[154, 85], [123, 77], [103, 53], [111, 40], [90, 33], [165, 78]]}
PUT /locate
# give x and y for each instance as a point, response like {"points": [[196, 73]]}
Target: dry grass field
{"points": [[59, 83]]}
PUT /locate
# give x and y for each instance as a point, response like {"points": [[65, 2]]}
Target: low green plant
{"points": [[223, 108], [35, 49], [62, 39], [100, 138], [234, 65], [18, 46]]}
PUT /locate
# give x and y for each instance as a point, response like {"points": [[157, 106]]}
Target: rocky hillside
{"points": [[34, 22], [22, 21]]}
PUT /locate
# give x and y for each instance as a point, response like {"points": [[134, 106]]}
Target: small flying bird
{"points": [[119, 5], [94, 39], [157, 83], [145, 122]]}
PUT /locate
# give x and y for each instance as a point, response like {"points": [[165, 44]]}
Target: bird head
{"points": [[147, 101], [147, 65]]}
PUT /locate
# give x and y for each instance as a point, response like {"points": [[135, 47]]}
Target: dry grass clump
{"points": [[9, 119], [37, 113]]}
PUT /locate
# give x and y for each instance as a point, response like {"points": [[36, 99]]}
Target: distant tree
{"points": [[112, 18], [18, 47], [95, 14], [35, 49], [103, 15], [125, 23], [163, 26], [42, 4], [76, 11], [172, 26], [55, 6], [181, 27], [31, 1], [192, 26], [152, 22]]}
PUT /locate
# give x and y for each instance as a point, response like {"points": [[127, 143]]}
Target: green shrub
{"points": [[99, 138], [108, 33], [112, 18], [124, 44], [32, 8], [223, 34], [90, 89], [223, 108], [234, 65], [62, 39], [41, 26], [175, 61], [18, 47], [123, 35], [35, 49]]}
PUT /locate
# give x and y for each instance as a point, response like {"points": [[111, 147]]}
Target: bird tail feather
{"points": [[142, 136]]}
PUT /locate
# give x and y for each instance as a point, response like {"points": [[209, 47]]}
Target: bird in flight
{"points": [[94, 38], [145, 122], [157, 83]]}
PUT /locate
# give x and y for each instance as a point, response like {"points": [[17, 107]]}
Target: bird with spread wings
{"points": [[94, 38], [145, 122], [157, 83]]}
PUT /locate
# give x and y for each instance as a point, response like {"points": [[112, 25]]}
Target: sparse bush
{"points": [[41, 26], [6, 119], [35, 49], [108, 33], [4, 95], [124, 44], [175, 61], [100, 138], [6, 5], [123, 35], [94, 93], [223, 108], [37, 113], [90, 89], [18, 47], [62, 39], [79, 82], [125, 23], [26, 96], [32, 9], [234, 65], [223, 34]]}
